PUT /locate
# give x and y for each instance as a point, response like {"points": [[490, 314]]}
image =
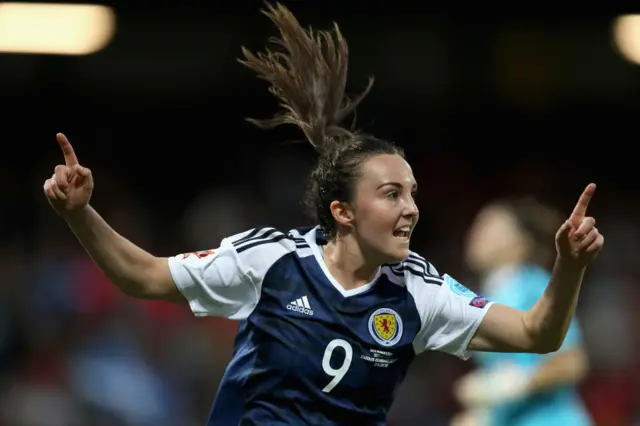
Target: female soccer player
{"points": [[331, 315], [509, 246]]}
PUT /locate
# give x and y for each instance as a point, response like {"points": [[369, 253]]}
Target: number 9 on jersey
{"points": [[337, 373]]}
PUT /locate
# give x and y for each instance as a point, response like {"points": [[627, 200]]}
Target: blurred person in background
{"points": [[332, 314], [510, 245]]}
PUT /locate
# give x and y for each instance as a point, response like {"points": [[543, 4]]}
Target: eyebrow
{"points": [[397, 185]]}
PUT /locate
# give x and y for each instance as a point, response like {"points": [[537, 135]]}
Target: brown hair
{"points": [[307, 72]]}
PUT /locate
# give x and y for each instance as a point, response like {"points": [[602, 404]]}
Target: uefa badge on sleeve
{"points": [[199, 254], [478, 302]]}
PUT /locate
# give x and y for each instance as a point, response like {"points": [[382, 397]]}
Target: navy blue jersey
{"points": [[307, 350]]}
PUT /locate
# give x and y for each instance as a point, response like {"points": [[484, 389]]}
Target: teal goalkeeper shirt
{"points": [[520, 288]]}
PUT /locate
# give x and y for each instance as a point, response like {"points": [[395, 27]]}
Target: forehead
{"points": [[385, 168]]}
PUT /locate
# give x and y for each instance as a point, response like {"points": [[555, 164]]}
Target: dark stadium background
{"points": [[487, 100]]}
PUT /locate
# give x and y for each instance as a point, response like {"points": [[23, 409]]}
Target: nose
{"points": [[411, 209]]}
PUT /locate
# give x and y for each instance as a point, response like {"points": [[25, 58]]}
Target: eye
{"points": [[392, 195], [414, 193]]}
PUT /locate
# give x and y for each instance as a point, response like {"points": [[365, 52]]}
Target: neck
{"points": [[347, 264]]}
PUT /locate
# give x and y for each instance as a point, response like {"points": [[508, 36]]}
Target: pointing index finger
{"points": [[580, 210], [70, 158]]}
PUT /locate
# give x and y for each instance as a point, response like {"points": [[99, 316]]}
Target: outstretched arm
{"points": [[542, 328], [133, 270]]}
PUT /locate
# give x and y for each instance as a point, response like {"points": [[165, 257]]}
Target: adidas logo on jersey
{"points": [[300, 305]]}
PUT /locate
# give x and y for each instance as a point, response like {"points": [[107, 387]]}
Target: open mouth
{"points": [[402, 233]]}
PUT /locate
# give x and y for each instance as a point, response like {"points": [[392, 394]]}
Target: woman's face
{"points": [[384, 208]]}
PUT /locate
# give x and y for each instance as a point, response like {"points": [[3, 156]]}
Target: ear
{"points": [[342, 213]]}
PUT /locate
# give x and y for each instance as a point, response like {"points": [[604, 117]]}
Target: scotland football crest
{"points": [[385, 326]]}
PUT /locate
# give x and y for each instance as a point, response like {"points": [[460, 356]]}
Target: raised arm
{"points": [[134, 271], [542, 328]]}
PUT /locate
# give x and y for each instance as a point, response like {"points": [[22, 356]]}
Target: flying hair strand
{"points": [[307, 72]]}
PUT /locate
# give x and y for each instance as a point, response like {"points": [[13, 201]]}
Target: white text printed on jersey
{"points": [[300, 305]]}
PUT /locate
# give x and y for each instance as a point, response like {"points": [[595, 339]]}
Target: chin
{"points": [[398, 255]]}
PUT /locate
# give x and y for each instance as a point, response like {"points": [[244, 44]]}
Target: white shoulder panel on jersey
{"points": [[227, 281], [414, 266], [450, 313]]}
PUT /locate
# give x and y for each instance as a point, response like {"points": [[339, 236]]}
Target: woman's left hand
{"points": [[578, 240]]}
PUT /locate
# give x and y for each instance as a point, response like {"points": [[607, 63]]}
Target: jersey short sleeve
{"points": [[450, 313], [227, 281]]}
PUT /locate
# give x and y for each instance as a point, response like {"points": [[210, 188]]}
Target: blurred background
{"points": [[486, 103]]}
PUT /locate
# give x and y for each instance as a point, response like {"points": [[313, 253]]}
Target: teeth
{"points": [[401, 233]]}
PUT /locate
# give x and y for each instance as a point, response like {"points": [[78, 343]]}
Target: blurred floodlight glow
{"points": [[626, 34], [57, 29]]}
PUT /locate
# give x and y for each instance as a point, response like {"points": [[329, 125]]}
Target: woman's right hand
{"points": [[69, 189]]}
